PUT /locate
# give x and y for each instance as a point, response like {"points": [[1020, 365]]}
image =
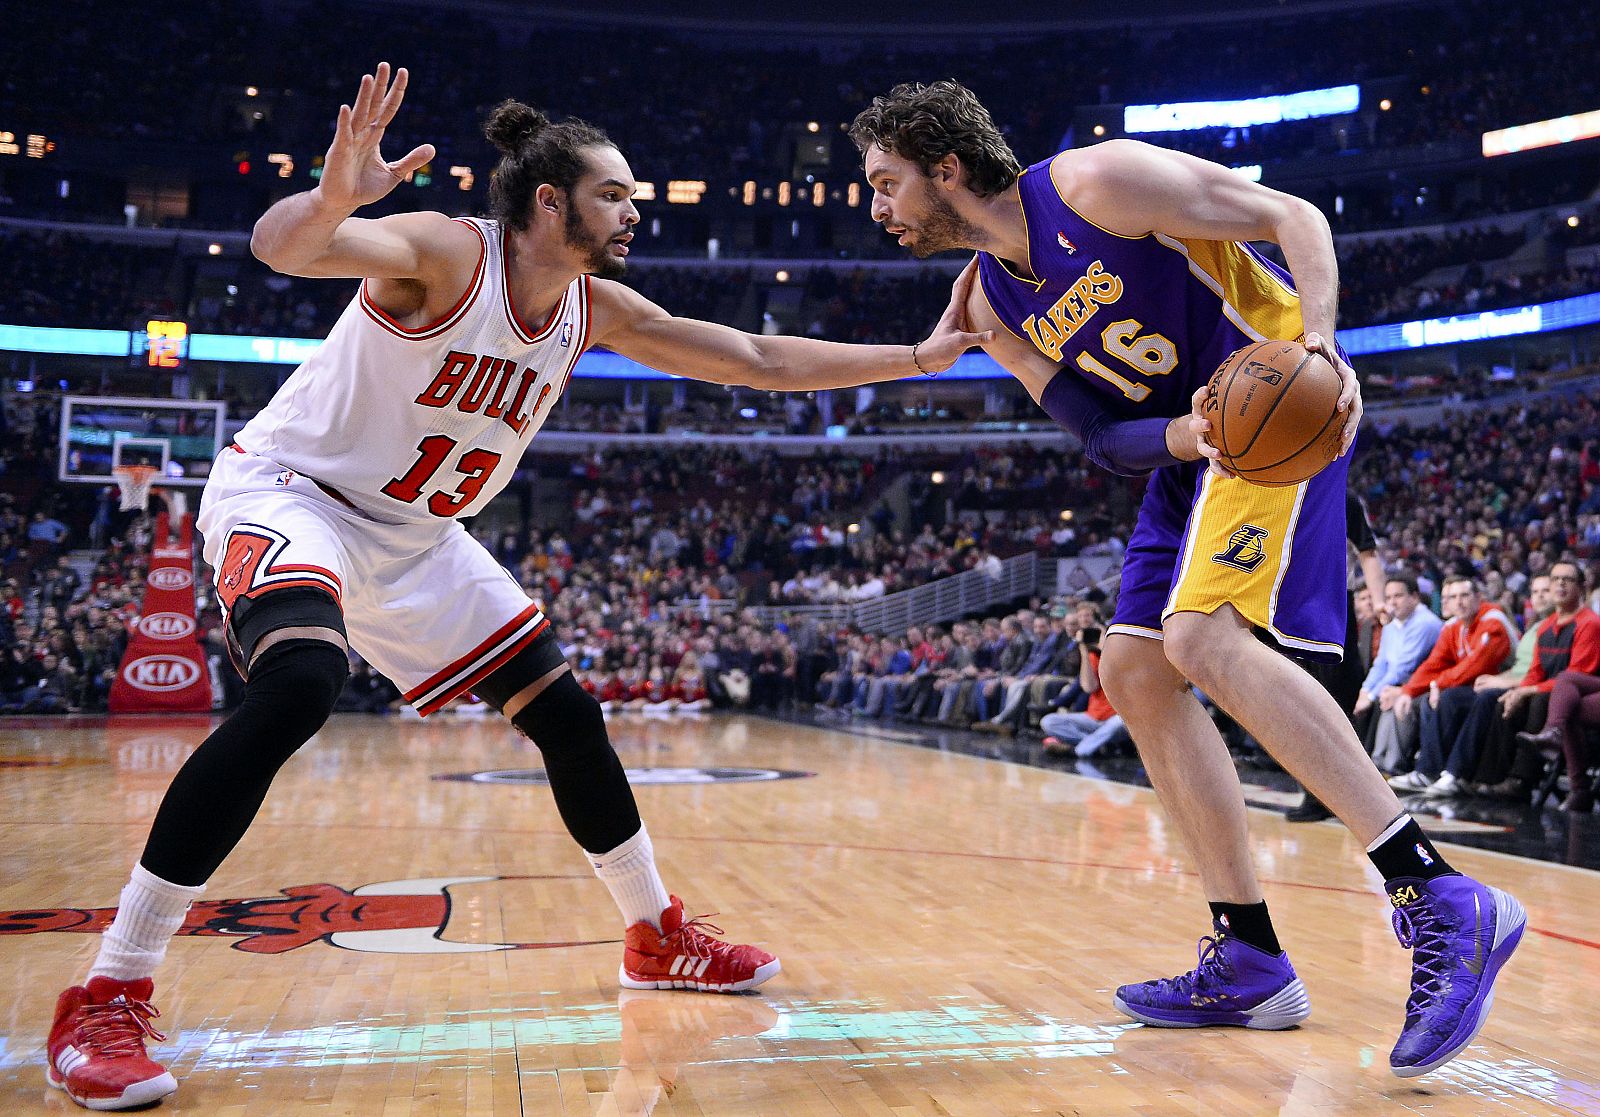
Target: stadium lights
{"points": [[283, 161], [214, 249], [251, 91], [1187, 115], [1572, 222], [1066, 515], [938, 477], [1385, 105], [1542, 133], [682, 191], [34, 145], [465, 178], [644, 191]]}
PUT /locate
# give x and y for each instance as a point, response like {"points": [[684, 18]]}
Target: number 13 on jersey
{"points": [[475, 467]]}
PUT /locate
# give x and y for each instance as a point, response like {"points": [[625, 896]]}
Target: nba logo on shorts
{"points": [[1245, 549], [566, 335]]}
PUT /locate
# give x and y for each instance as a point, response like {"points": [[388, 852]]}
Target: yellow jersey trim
{"points": [[1089, 221], [1253, 298], [990, 304]]}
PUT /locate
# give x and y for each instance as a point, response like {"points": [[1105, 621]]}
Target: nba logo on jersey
{"points": [[1061, 239], [566, 335], [282, 479]]}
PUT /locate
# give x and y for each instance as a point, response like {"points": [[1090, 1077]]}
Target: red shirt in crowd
{"points": [[1466, 648], [1570, 644]]}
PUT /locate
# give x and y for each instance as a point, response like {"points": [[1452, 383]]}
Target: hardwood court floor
{"points": [[951, 929]]}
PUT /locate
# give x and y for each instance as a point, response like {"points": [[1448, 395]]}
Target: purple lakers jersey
{"points": [[1144, 320]]}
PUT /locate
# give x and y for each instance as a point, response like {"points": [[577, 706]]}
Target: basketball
{"points": [[1274, 412]]}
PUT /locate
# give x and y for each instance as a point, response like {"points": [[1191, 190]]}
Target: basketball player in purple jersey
{"points": [[1115, 280]]}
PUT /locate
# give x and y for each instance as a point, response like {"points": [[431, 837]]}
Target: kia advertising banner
{"points": [[164, 668]]}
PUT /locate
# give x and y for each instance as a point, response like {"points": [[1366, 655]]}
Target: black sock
{"points": [[1249, 923], [1407, 852]]}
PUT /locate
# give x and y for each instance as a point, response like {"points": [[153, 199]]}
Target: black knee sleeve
{"points": [[215, 795], [586, 777]]}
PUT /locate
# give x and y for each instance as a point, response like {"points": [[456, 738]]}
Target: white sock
{"points": [[630, 872], [149, 915]]}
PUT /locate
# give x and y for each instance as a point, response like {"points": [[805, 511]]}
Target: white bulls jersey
{"points": [[425, 424]]}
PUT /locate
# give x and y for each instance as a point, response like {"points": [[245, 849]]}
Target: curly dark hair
{"points": [[534, 150], [924, 123]]}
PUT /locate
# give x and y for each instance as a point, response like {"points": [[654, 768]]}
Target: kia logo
{"points": [[161, 673], [167, 626], [170, 578]]}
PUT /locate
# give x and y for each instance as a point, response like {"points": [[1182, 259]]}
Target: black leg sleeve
{"points": [[219, 789], [586, 777]]}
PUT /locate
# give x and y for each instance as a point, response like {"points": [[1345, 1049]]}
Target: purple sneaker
{"points": [[1460, 933], [1234, 984]]}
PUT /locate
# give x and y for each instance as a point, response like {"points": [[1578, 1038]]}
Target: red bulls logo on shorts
{"points": [[389, 917]]}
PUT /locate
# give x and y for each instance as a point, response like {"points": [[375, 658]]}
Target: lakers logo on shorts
{"points": [[1246, 549]]}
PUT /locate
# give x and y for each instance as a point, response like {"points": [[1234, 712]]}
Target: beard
{"points": [[942, 228], [598, 260]]}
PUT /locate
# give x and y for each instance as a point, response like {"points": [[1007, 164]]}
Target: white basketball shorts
{"points": [[425, 604]]}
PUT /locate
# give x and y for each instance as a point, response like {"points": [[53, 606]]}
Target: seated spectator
{"points": [[1568, 640], [1476, 641], [1574, 708], [1099, 726], [1047, 641], [1407, 638]]}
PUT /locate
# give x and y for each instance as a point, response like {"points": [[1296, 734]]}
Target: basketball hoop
{"points": [[134, 482]]}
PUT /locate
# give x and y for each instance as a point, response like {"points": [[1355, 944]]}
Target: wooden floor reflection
{"points": [[408, 930]]}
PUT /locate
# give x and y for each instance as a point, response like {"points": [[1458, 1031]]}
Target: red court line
{"points": [[842, 847]]}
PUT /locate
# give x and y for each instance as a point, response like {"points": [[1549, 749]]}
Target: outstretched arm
{"points": [[632, 325], [313, 234]]}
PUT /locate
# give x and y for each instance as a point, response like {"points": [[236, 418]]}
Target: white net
{"points": [[134, 481]]}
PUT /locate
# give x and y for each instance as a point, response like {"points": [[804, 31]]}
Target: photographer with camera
{"points": [[1087, 733]]}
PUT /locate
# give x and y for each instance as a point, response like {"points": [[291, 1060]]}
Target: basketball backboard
{"points": [[99, 432]]}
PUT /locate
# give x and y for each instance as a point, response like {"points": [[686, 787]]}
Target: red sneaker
{"points": [[97, 1046], [683, 956]]}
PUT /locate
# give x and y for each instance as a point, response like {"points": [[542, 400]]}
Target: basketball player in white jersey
{"points": [[333, 522]]}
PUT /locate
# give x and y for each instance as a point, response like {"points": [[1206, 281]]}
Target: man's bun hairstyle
{"points": [[534, 150]]}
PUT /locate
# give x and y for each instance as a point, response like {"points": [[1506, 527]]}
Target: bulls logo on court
{"points": [[1246, 549], [389, 917]]}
